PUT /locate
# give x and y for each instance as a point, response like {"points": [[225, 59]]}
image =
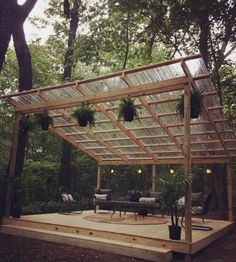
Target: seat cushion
{"points": [[147, 199], [101, 196]]}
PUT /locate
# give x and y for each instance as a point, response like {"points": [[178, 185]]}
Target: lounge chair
{"points": [[69, 201]]}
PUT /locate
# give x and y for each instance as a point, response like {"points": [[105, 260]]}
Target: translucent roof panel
{"points": [[157, 136]]}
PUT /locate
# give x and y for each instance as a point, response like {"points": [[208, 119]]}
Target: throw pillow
{"points": [[65, 198], [147, 199], [101, 196], [181, 202], [70, 197]]}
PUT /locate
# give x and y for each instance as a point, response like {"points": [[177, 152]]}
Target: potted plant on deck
{"points": [[196, 104], [85, 115], [127, 109], [43, 119], [173, 189]]}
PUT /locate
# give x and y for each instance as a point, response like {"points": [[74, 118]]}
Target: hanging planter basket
{"points": [[196, 105], [127, 110], [43, 120], [85, 115]]}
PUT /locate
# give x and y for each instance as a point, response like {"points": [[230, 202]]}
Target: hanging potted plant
{"points": [[43, 119], [196, 104], [26, 124], [127, 109], [85, 115], [173, 189]]}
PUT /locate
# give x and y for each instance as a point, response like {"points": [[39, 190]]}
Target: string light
{"points": [[112, 171], [208, 171], [140, 170], [172, 171]]}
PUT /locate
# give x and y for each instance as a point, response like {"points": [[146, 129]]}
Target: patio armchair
{"points": [[200, 207], [69, 201]]}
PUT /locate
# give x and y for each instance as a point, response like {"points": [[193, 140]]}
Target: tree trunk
{"points": [[220, 185], [66, 174], [12, 24], [204, 36], [5, 29], [65, 178]]}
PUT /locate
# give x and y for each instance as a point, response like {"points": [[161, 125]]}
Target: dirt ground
{"points": [[19, 249]]}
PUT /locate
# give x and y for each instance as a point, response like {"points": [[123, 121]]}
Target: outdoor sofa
{"points": [[141, 203]]}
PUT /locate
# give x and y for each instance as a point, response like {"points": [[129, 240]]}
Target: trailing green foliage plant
{"points": [[196, 104], [85, 115], [127, 110]]}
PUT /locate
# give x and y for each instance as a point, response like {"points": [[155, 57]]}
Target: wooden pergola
{"points": [[158, 137]]}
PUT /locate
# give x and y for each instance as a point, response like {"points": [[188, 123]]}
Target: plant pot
{"points": [[128, 116], [16, 212], [82, 121], [174, 232], [45, 125], [195, 111]]}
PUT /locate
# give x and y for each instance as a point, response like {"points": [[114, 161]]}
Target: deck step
{"points": [[113, 246]]}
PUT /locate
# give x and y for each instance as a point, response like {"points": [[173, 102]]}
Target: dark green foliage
{"points": [[196, 104], [127, 110], [85, 115], [26, 124]]}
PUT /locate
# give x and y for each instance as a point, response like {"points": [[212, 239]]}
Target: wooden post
{"points": [[187, 163], [12, 165], [153, 178], [230, 192], [99, 177]]}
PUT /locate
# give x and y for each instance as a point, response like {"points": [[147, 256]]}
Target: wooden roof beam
{"points": [[146, 89], [195, 160]]}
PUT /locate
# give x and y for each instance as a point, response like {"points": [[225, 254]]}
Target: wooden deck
{"points": [[150, 242]]}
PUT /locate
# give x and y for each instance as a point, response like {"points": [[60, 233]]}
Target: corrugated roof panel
{"points": [[61, 120], [146, 132], [121, 143], [128, 150], [112, 135], [105, 85], [94, 145], [82, 137], [196, 67]]}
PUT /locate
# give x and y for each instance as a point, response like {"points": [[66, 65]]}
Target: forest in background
{"points": [[98, 37]]}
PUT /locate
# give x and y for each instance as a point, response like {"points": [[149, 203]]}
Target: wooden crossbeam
{"points": [[171, 160], [141, 90]]}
